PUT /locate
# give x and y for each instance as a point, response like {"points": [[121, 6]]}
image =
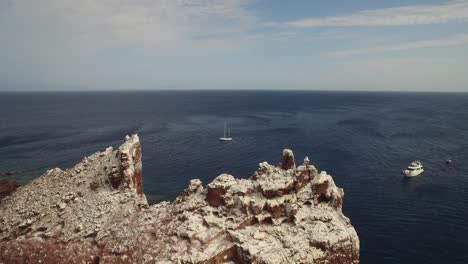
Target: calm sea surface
{"points": [[363, 139]]}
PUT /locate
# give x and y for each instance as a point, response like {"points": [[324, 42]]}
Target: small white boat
{"points": [[414, 169], [228, 137]]}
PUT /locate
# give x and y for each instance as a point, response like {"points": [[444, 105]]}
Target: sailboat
{"points": [[228, 137]]}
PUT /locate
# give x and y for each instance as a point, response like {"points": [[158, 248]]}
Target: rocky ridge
{"points": [[96, 212]]}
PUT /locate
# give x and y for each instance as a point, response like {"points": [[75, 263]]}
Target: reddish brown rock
{"points": [[7, 188], [215, 197], [10, 173], [320, 191], [287, 160], [276, 211], [304, 177]]}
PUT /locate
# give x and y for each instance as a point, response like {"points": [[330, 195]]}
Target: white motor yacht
{"points": [[414, 169]]}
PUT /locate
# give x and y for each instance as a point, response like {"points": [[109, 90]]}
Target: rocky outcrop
{"points": [[7, 188], [10, 173], [96, 212]]}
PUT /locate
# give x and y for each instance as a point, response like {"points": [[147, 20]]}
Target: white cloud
{"points": [[108, 23], [454, 10], [455, 40], [93, 43]]}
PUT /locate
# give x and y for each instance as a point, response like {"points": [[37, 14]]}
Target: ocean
{"points": [[363, 139]]}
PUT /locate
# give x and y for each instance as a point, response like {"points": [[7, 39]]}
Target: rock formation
{"points": [[96, 212], [7, 187], [10, 173]]}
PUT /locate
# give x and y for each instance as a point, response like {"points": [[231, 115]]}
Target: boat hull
{"points": [[225, 139], [413, 173]]}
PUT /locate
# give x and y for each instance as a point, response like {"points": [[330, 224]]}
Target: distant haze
{"points": [[409, 45]]}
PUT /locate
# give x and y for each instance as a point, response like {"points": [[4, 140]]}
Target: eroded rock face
{"points": [[96, 212]]}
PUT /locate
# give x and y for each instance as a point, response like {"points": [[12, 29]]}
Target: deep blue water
{"points": [[363, 139]]}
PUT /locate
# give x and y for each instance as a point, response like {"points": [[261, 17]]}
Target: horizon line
{"points": [[228, 90]]}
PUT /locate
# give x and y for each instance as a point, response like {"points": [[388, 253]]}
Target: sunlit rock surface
{"points": [[96, 212]]}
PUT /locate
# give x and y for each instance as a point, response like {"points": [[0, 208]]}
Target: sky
{"points": [[373, 45]]}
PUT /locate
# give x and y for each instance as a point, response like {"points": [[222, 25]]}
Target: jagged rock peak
{"points": [[97, 212], [129, 155], [287, 160]]}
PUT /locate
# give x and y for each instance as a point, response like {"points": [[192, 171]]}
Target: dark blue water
{"points": [[363, 139]]}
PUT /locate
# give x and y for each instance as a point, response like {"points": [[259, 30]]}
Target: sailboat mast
{"points": [[224, 129], [229, 132]]}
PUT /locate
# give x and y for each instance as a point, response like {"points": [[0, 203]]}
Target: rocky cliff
{"points": [[96, 212]]}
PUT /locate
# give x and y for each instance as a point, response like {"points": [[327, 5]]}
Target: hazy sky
{"points": [[234, 44]]}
